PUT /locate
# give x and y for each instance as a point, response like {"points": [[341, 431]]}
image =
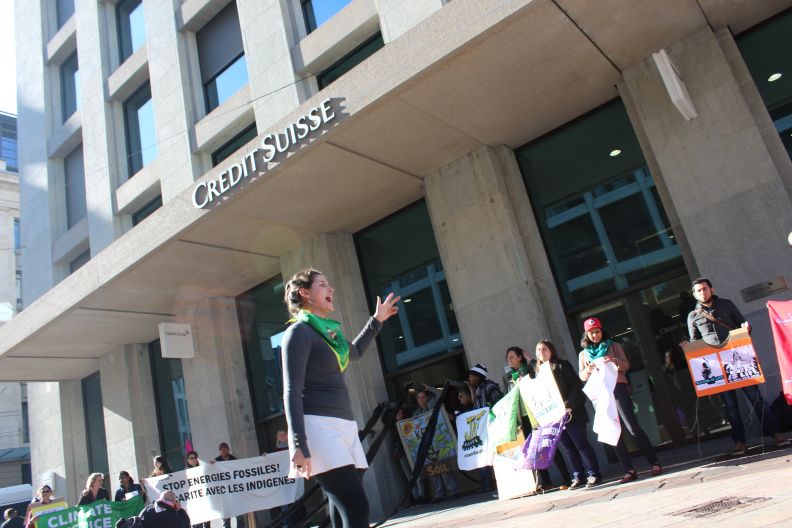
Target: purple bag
{"points": [[541, 445]]}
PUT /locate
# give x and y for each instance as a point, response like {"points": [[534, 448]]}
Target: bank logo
{"points": [[472, 438]]}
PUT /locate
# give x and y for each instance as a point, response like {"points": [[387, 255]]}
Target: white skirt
{"points": [[333, 443]]}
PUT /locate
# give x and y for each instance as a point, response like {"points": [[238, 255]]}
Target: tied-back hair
{"points": [[585, 343], [553, 352], [519, 351], [301, 279], [163, 462], [131, 480]]}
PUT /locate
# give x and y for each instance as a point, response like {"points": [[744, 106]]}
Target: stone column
{"points": [[495, 264], [723, 177], [129, 411], [216, 384], [58, 449], [335, 255]]}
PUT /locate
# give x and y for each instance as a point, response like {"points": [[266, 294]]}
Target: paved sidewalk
{"points": [[754, 491]]}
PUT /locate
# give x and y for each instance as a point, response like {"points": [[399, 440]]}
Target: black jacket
{"points": [[571, 389], [88, 497], [160, 515], [699, 327]]}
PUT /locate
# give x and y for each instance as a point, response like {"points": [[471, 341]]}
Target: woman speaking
{"points": [[323, 434]]}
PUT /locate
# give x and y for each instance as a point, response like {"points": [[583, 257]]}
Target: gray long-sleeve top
{"points": [[312, 381]]}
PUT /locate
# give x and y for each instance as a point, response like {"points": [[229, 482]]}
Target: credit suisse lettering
{"points": [[271, 146]]}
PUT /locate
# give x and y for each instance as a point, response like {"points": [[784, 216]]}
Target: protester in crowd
{"points": [[127, 485], [161, 466], [323, 440], [597, 344], [425, 398], [12, 519], [93, 490], [191, 460], [225, 454], [486, 393], [43, 496], [574, 443], [521, 367], [297, 517], [166, 512], [465, 399], [711, 320]]}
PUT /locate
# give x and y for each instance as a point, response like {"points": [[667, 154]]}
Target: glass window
{"points": [[27, 476], [766, 53], [70, 86], [221, 57], [25, 423], [65, 9], [80, 261], [94, 424], [8, 141], [144, 212], [17, 235], [19, 306], [317, 12], [173, 417], [234, 145], [351, 60], [141, 133], [399, 255], [597, 206], [74, 172], [131, 27]]}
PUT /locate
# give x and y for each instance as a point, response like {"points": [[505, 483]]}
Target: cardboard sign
{"points": [[513, 480], [729, 367], [540, 395]]}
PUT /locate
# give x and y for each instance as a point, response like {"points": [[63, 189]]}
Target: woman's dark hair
{"points": [[127, 475], [551, 347], [520, 354], [291, 294], [163, 462], [585, 343], [188, 454]]}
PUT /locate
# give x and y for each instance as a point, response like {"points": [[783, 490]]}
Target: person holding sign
{"points": [[711, 320], [573, 439], [191, 461], [128, 488], [323, 435], [597, 345], [93, 490]]}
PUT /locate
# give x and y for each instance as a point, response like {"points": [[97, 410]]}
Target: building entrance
{"points": [[650, 323]]}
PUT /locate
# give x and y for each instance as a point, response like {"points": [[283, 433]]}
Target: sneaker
{"points": [[739, 449], [592, 481], [629, 477], [576, 483]]}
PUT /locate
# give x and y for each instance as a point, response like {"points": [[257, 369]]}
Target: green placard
{"points": [[100, 514]]}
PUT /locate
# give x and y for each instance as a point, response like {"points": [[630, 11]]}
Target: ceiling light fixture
{"points": [[614, 153], [407, 300], [774, 77]]}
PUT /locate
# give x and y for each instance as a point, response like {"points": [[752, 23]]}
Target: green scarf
{"points": [[594, 352], [520, 372], [331, 333]]}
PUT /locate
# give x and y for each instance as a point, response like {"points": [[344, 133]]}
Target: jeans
{"points": [[578, 451], [766, 417], [629, 422]]}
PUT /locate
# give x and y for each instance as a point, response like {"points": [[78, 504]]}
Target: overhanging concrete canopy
{"points": [[476, 72]]}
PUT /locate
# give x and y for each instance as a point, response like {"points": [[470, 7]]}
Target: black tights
{"points": [[347, 503]]}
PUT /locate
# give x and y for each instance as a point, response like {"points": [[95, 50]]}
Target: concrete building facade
{"points": [[509, 167]]}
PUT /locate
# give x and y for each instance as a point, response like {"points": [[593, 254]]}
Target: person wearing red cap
{"points": [[596, 344]]}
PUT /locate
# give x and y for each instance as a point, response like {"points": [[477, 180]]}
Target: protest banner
{"points": [[781, 323], [442, 453], [472, 445], [99, 514], [719, 369], [230, 488], [503, 421], [512, 478], [540, 395], [37, 509]]}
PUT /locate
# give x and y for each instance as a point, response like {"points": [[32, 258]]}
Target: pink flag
{"points": [[781, 323], [187, 446]]}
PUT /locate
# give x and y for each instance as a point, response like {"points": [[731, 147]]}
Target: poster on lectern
{"points": [[720, 369]]}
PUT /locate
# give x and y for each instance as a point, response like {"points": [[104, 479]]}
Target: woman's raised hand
{"points": [[387, 307]]}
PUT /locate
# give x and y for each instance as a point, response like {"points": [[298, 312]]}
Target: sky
{"points": [[8, 102]]}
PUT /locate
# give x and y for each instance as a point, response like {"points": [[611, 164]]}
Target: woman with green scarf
{"points": [[597, 345], [323, 434]]}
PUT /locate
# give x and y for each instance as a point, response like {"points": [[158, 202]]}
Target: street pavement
{"points": [[700, 487]]}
